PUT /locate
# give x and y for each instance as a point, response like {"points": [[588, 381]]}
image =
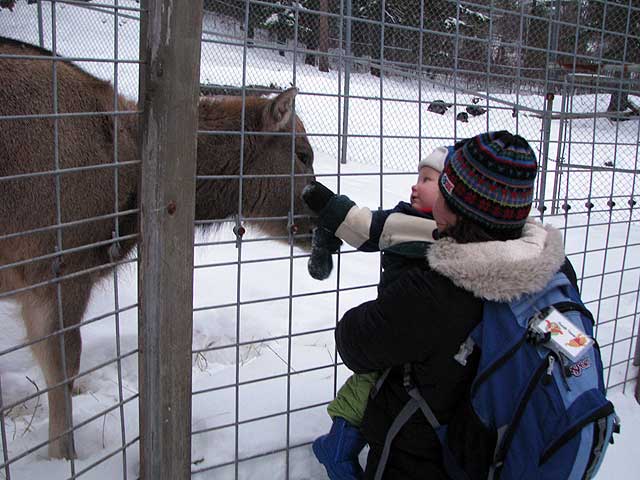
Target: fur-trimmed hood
{"points": [[501, 271]]}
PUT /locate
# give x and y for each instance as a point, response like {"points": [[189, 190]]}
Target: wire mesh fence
{"points": [[60, 236], [379, 85]]}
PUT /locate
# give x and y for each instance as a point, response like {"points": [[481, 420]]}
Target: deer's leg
{"points": [[41, 315]]}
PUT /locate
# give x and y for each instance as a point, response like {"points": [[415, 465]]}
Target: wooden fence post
{"points": [[170, 47]]}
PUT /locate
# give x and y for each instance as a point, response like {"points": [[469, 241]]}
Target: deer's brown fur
{"points": [[29, 203]]}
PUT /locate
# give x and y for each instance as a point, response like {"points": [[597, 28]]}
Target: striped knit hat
{"points": [[490, 180]]}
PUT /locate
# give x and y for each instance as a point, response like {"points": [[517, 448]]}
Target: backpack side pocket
{"points": [[583, 437]]}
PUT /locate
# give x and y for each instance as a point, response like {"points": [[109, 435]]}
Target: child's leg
{"points": [[338, 450], [351, 400]]}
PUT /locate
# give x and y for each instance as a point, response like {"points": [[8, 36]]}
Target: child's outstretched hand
{"points": [[316, 196], [323, 245]]}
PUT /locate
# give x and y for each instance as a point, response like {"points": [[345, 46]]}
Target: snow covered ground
{"points": [[286, 361]]}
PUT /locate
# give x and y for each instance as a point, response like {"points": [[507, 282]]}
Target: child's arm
{"points": [[358, 226], [332, 211]]}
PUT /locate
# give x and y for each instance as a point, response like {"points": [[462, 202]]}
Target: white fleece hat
{"points": [[435, 159]]}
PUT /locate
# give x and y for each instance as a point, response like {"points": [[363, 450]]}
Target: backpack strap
{"points": [[378, 385], [416, 396], [524, 303], [416, 402], [497, 463], [405, 414]]}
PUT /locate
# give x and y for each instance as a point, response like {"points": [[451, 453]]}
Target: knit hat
{"points": [[435, 159], [490, 180]]}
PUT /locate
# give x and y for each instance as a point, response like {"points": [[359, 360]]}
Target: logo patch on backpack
{"points": [[577, 368]]}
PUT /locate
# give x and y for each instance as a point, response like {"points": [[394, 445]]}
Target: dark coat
{"points": [[422, 318], [409, 322]]}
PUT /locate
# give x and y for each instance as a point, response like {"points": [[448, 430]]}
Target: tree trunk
{"points": [[309, 34], [323, 37], [537, 35], [376, 48], [619, 100], [282, 40]]}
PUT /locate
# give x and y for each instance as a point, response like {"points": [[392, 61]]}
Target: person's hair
{"points": [[466, 230]]}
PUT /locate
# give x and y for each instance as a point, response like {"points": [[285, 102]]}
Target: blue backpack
{"points": [[531, 412]]}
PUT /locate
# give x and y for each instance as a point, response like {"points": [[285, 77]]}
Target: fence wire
{"points": [[413, 76], [42, 246], [380, 84]]}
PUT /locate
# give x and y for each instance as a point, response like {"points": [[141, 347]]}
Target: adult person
{"points": [[488, 249]]}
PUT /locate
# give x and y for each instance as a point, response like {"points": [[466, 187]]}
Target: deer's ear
{"points": [[277, 113]]}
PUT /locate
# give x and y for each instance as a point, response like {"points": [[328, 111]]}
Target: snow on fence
{"points": [[229, 376]]}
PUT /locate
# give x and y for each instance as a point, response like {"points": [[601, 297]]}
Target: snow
{"points": [[286, 360], [473, 13]]}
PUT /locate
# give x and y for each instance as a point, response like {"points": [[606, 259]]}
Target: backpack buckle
{"points": [[465, 350], [406, 377], [537, 338], [616, 425]]}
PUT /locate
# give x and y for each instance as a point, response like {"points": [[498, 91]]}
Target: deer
{"points": [[52, 252]]}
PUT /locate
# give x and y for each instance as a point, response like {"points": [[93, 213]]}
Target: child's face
{"points": [[425, 191]]}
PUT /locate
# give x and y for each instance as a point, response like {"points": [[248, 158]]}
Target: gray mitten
{"points": [[323, 245]]}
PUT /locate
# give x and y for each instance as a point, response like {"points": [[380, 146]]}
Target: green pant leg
{"points": [[351, 400]]}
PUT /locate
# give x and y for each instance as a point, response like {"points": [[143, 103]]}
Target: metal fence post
{"points": [[636, 362], [170, 47], [40, 25], [551, 84], [347, 80], [636, 356], [557, 177]]}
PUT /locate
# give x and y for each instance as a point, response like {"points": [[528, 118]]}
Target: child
{"points": [[403, 235]]}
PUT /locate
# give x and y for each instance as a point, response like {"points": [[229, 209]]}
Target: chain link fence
{"points": [[380, 84]]}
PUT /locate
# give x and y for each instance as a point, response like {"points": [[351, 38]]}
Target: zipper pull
{"points": [[563, 374], [546, 380]]}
